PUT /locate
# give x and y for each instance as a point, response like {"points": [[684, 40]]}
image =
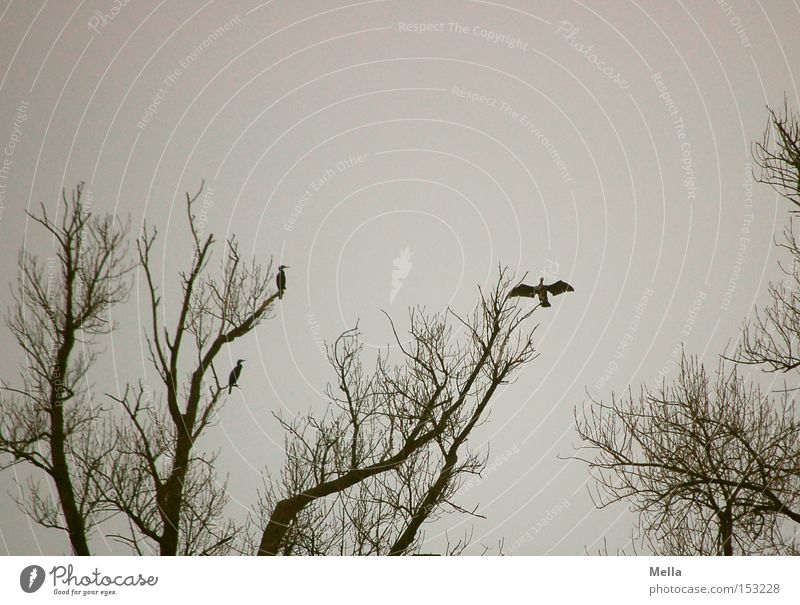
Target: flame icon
{"points": [[402, 267], [31, 578]]}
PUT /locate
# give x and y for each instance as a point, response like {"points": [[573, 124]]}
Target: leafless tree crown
{"points": [[778, 154], [388, 456], [393, 449], [60, 308], [710, 464], [159, 478]]}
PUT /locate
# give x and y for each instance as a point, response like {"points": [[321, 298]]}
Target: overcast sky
{"points": [[607, 144]]}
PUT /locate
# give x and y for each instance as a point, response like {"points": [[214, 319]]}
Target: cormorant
{"points": [[542, 290], [233, 377], [280, 280]]}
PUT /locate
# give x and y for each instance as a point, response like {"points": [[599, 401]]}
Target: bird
{"points": [[542, 290], [280, 280], [233, 377]]}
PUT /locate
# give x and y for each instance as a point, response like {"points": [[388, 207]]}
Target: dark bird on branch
{"points": [[280, 280], [233, 377], [542, 290]]}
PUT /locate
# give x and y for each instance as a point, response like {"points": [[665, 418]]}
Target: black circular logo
{"points": [[31, 578]]}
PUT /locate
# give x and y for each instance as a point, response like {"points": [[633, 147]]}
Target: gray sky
{"points": [[605, 143]]}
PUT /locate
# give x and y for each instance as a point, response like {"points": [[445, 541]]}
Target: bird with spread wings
{"points": [[542, 290]]}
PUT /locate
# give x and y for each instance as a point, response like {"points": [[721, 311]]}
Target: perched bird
{"points": [[542, 290], [233, 377], [280, 280]]}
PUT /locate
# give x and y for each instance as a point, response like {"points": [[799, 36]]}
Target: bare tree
{"points": [[388, 457], [778, 154], [393, 448], [60, 309], [711, 466], [771, 339], [157, 476]]}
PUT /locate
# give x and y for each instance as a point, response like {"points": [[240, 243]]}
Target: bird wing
{"points": [[524, 290], [559, 287]]}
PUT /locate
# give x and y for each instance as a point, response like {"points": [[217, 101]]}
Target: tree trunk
{"points": [[76, 528], [66, 493], [726, 532], [172, 500], [287, 510]]}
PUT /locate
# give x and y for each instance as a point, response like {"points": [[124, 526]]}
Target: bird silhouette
{"points": [[542, 290], [233, 377], [280, 280]]}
